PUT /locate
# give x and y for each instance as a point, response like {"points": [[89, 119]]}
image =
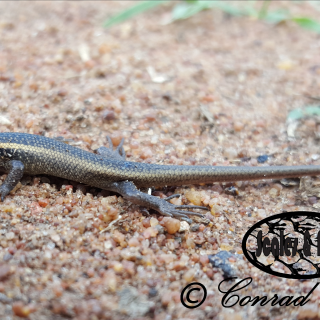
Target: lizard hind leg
{"points": [[129, 191], [118, 153]]}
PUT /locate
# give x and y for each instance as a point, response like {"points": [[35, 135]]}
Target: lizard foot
{"points": [[118, 153], [4, 191], [15, 174], [168, 209]]}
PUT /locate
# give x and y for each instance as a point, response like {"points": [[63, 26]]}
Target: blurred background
{"points": [[184, 82]]}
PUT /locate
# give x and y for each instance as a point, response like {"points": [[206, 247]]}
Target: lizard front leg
{"points": [[15, 168], [118, 153]]}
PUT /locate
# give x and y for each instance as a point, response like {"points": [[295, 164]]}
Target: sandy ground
{"points": [[210, 90]]}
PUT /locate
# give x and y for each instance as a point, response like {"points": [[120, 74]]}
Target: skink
{"points": [[32, 154]]}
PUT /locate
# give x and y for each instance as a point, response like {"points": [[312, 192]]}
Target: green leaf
{"points": [[234, 11], [312, 111], [277, 16], [133, 11], [307, 23], [187, 9], [264, 9], [297, 114]]}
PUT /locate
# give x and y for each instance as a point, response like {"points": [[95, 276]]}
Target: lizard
{"points": [[108, 169]]}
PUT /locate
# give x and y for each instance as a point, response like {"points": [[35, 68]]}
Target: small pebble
{"points": [[134, 144], [159, 228], [111, 214], [118, 267], [312, 200], [107, 201], [62, 92], [232, 191], [21, 310], [134, 242], [7, 256], [189, 275], [262, 159], [190, 243], [55, 238], [4, 272], [204, 260], [47, 255], [108, 115], [153, 222], [10, 235], [195, 227], [108, 244], [4, 120], [199, 238], [195, 257], [194, 197], [4, 298], [151, 116], [146, 223], [118, 237], [129, 267], [172, 225], [274, 192], [221, 261], [153, 292], [166, 298], [216, 209], [184, 226], [43, 202], [146, 153], [150, 233], [238, 126], [230, 153], [116, 138], [262, 213]]}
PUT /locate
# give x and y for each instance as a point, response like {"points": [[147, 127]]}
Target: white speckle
{"points": [[51, 245], [47, 255], [4, 120], [230, 153], [108, 245], [84, 52], [261, 213], [10, 235], [155, 77], [55, 237], [154, 140], [184, 226]]}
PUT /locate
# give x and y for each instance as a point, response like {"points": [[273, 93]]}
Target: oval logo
{"points": [[285, 245]]}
